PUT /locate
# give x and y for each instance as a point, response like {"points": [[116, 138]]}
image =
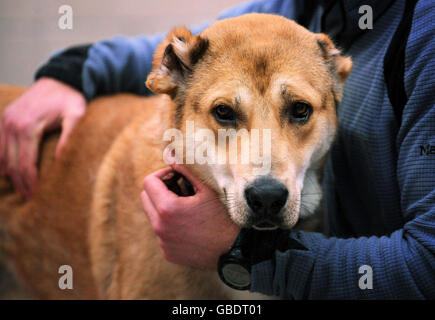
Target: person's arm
{"points": [[122, 64], [403, 263]]}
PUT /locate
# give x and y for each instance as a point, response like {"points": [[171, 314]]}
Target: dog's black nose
{"points": [[266, 196]]}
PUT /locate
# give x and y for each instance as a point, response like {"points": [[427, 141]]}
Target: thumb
{"points": [[68, 125]]}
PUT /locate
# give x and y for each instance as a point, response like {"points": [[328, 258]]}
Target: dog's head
{"points": [[258, 96]]}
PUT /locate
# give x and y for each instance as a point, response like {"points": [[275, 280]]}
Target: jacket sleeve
{"points": [[122, 64], [403, 263]]}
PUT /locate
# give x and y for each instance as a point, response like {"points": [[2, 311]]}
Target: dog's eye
{"points": [[300, 111], [224, 115]]}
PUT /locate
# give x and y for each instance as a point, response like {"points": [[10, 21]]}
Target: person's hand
{"points": [[192, 231], [48, 104]]}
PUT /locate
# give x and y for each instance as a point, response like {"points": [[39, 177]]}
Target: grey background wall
{"points": [[29, 30]]}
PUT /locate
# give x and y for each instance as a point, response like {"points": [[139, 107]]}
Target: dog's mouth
{"points": [[178, 184], [264, 226]]}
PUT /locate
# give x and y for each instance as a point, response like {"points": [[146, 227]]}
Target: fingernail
{"points": [[170, 175]]}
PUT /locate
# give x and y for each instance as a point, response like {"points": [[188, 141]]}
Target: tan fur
{"points": [[86, 211]]}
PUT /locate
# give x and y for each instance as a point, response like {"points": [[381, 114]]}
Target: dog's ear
{"points": [[174, 60], [339, 65]]}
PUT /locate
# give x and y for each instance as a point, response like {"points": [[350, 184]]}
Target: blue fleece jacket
{"points": [[379, 180]]}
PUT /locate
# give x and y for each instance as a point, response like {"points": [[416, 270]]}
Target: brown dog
{"points": [[256, 71]]}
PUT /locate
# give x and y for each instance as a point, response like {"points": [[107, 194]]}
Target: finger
{"points": [[156, 220], [162, 173], [157, 189], [12, 161], [27, 161], [149, 208], [2, 148], [68, 125]]}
